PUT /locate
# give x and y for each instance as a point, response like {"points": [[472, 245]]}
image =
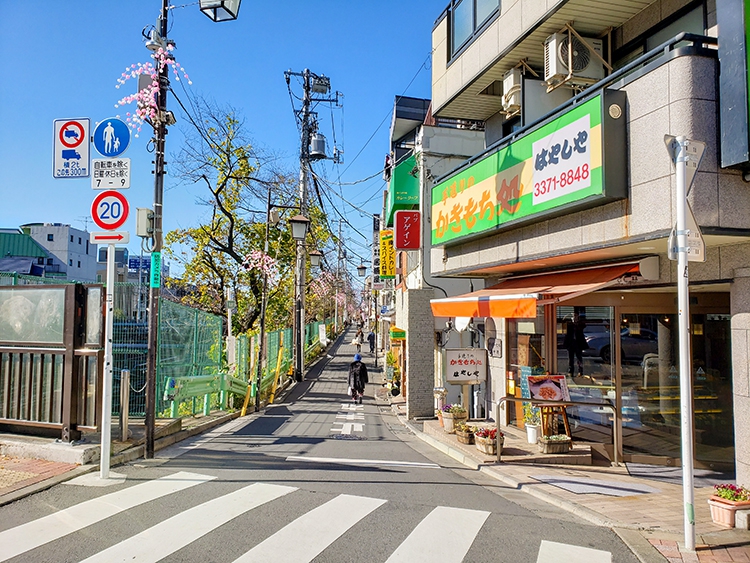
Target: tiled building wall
{"points": [[420, 338]]}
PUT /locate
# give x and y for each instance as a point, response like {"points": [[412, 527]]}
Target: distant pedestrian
{"points": [[358, 338], [371, 340], [357, 379]]}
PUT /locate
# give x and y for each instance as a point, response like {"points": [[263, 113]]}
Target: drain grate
{"points": [[346, 437]]}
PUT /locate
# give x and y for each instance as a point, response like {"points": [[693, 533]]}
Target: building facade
{"points": [[567, 213], [69, 250]]}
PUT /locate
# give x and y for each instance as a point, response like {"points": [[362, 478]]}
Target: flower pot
{"points": [[554, 446], [532, 433], [450, 418], [487, 445], [722, 510], [465, 437]]}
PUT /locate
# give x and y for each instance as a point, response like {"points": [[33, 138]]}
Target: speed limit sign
{"points": [[110, 210]]}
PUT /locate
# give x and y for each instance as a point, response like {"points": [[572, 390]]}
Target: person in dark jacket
{"points": [[371, 340], [357, 378], [575, 343]]}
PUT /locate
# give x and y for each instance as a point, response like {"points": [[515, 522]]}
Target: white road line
{"points": [[349, 427], [445, 535], [305, 538], [351, 407], [173, 534], [367, 462], [48, 528], [553, 552]]}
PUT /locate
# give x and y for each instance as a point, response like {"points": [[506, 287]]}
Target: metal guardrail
{"points": [[539, 402]]}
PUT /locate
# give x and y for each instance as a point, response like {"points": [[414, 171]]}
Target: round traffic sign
{"points": [[111, 137], [110, 210], [72, 134]]}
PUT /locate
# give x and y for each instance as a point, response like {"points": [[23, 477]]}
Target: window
{"points": [[50, 237], [71, 238], [79, 240], [40, 261], [79, 263], [87, 248], [468, 16], [70, 262], [49, 261]]}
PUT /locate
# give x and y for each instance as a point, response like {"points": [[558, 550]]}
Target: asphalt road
{"points": [[316, 478]]}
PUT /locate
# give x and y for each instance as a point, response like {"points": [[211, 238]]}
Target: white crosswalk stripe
{"points": [[553, 552], [437, 538], [43, 530], [175, 533], [320, 527]]}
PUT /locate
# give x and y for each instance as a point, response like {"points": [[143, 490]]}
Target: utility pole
{"points": [[336, 281], [160, 130]]}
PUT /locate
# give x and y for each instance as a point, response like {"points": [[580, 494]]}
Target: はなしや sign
{"points": [[110, 210], [408, 229]]}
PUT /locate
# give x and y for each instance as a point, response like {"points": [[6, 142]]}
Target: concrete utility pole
{"points": [[154, 293]]}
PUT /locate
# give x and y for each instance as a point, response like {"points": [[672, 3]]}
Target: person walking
{"points": [[371, 340], [357, 379], [358, 340]]}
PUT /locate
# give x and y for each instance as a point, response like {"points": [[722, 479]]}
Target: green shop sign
{"points": [[403, 189], [573, 162]]}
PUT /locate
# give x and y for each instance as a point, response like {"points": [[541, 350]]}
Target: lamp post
{"points": [[222, 10], [361, 271], [299, 224]]}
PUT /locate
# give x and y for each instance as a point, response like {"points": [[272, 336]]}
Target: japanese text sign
{"points": [[387, 255], [465, 365], [408, 228], [561, 166]]}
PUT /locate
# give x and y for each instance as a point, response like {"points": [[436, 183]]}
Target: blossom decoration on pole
{"points": [[145, 98], [258, 260]]}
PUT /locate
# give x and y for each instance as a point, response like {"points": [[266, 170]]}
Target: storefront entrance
{"points": [[625, 345]]}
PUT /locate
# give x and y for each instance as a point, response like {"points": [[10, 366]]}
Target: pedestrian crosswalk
{"points": [[436, 537]]}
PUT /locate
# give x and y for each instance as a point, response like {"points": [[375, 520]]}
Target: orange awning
{"points": [[518, 297]]}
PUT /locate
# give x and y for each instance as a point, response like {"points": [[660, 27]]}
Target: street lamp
{"points": [[361, 270], [299, 224], [315, 258], [222, 10]]}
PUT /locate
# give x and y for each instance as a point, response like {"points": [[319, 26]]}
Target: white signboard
{"points": [[109, 237], [465, 365], [71, 154], [110, 173]]}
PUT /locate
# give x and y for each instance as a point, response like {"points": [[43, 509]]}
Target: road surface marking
{"points": [[352, 407], [304, 539], [368, 462], [553, 552], [351, 416], [349, 427], [157, 542], [446, 534], [63, 522]]}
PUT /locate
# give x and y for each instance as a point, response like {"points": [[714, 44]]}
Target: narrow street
{"points": [[315, 478]]}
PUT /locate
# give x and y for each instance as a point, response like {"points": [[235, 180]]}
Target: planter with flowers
{"points": [[488, 440], [465, 433], [451, 415], [728, 498], [532, 422], [555, 444]]}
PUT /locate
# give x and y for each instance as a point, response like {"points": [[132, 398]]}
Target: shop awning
{"points": [[519, 296]]}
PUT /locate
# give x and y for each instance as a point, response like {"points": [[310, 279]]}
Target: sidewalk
{"points": [[646, 513]]}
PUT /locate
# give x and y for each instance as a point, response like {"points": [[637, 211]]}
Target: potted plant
{"points": [[465, 433], [728, 498], [555, 444], [451, 415], [532, 422], [488, 440]]}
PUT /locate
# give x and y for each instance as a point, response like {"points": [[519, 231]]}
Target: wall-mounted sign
{"points": [[403, 188], [376, 283], [408, 230], [465, 366], [561, 166], [387, 256], [398, 333]]}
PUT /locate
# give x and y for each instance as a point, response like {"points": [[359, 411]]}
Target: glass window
{"points": [[79, 263], [71, 238], [484, 9], [50, 237], [462, 23], [49, 261], [79, 240], [40, 261], [70, 262]]}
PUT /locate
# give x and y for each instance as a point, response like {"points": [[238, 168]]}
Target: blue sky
{"points": [[62, 59]]}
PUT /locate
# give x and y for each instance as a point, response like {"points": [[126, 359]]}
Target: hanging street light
{"points": [[220, 10], [315, 258], [361, 270]]}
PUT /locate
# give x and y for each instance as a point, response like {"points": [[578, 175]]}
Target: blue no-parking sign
{"points": [[111, 137]]}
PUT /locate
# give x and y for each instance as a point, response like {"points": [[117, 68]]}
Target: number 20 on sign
{"points": [[110, 210]]}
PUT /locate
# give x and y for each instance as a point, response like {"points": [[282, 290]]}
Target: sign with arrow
{"points": [[109, 237]]}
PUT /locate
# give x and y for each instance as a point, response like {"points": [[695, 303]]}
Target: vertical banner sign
{"points": [[408, 230], [155, 269], [376, 283], [387, 255]]}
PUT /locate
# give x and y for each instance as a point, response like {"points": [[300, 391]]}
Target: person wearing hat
{"points": [[357, 378]]}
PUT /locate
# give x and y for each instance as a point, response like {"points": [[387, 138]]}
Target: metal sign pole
{"points": [[106, 425], [683, 306]]}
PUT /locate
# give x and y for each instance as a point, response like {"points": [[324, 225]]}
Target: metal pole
{"points": [[264, 299], [375, 298], [683, 306], [124, 403], [155, 284], [107, 383]]}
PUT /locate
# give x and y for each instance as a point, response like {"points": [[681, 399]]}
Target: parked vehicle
{"points": [[634, 346]]}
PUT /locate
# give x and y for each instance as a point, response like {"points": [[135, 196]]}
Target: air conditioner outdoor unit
{"points": [[587, 68], [512, 90]]}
